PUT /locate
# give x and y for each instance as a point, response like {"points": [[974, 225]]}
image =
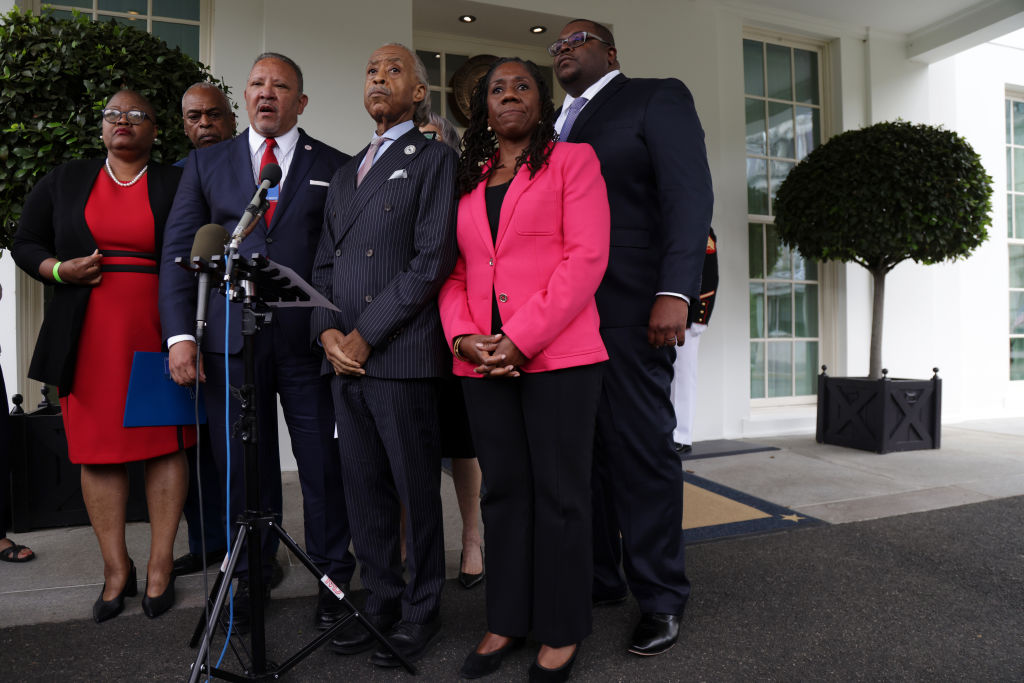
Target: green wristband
{"points": [[56, 275]]}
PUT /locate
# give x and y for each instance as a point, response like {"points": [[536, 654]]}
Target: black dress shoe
{"points": [[190, 563], [541, 675], [411, 640], [242, 609], [656, 633], [355, 637], [154, 607], [470, 580], [108, 609], [681, 448], [329, 609], [478, 665]]}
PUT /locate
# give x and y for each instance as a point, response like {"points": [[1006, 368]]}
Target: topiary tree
{"points": [[55, 77], [884, 194]]}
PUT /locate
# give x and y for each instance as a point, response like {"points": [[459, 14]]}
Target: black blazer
{"points": [[651, 146], [385, 250], [53, 225]]}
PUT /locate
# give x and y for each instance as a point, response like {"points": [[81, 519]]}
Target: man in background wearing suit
{"points": [[387, 246], [207, 119], [218, 183], [651, 147]]}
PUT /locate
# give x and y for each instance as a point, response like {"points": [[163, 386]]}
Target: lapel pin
{"points": [[308, 148], [411, 149]]}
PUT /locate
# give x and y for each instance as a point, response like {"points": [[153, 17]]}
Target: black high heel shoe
{"points": [[154, 607], [470, 580], [538, 674], [478, 665], [108, 609]]}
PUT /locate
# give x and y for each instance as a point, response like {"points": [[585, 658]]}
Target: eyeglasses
{"points": [[430, 134], [135, 116], [573, 42]]}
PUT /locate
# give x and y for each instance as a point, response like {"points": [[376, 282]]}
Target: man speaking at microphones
{"points": [[218, 185]]}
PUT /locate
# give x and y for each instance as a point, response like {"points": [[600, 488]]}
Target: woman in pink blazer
{"points": [[519, 312]]}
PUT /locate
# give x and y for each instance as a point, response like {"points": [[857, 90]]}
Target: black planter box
{"points": [[46, 489], [881, 415]]}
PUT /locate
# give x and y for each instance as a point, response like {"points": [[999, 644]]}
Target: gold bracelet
{"points": [[455, 347]]}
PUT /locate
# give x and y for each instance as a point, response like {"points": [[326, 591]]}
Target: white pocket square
{"points": [[322, 183], [400, 173]]}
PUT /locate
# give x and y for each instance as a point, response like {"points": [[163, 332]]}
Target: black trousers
{"points": [[534, 437], [638, 478], [5, 475]]}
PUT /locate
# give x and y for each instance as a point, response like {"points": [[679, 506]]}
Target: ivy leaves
{"points": [[55, 77]]}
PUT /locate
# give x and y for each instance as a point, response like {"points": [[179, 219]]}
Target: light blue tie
{"points": [[570, 117]]}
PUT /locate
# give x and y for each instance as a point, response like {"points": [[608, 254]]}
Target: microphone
{"points": [[209, 242], [269, 177]]}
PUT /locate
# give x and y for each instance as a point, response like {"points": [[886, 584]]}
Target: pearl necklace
{"points": [[129, 183]]}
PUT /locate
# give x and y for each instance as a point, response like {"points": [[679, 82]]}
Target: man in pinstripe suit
{"points": [[387, 246]]}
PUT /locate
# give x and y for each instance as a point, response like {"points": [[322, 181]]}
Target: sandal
{"points": [[11, 553]]}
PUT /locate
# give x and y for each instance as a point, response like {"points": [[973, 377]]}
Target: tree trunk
{"points": [[877, 316]]}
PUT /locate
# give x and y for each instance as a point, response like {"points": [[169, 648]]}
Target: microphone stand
{"points": [[254, 278]]}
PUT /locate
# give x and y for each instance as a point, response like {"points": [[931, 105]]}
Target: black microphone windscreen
{"points": [[210, 241], [271, 172]]}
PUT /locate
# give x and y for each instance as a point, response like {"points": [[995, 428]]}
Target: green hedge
{"points": [[56, 76]]}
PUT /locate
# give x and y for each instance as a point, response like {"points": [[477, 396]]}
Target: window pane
{"points": [[780, 75], [1016, 266], [777, 255], [1018, 212], [805, 310], [755, 127], [757, 370], [431, 60], [755, 248], [185, 36], [1009, 168], [435, 101], [753, 68], [806, 368], [1009, 216], [1018, 123], [1009, 123], [451, 65], [1016, 312], [780, 130], [779, 369], [757, 310], [779, 309], [62, 14], [87, 4], [546, 74], [808, 131], [134, 6], [779, 171], [135, 22], [1016, 359], [1018, 168], [177, 9], [805, 71], [804, 269], [757, 187]]}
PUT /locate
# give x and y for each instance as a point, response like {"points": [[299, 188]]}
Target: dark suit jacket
{"points": [[53, 225], [386, 249], [651, 146], [216, 187]]}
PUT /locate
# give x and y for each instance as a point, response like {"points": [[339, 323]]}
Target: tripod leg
{"points": [[340, 595], [223, 585]]}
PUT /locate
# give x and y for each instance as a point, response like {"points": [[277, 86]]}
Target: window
{"points": [[782, 87], [174, 21], [1015, 230]]}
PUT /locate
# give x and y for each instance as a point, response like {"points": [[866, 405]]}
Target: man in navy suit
{"points": [[388, 245], [651, 146], [218, 183], [207, 119]]}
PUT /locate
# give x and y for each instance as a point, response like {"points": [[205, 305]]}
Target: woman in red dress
{"points": [[93, 229]]}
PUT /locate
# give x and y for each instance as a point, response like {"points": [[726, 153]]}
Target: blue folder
{"points": [[154, 400]]}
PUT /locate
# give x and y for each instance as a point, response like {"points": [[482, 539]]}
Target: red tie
{"points": [[269, 158]]}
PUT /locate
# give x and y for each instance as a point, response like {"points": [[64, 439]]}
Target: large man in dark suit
{"points": [[651, 147], [387, 246], [217, 185]]}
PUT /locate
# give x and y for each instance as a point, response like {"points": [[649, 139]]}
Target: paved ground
{"points": [[937, 595]]}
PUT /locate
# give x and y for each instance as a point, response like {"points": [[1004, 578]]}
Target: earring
{"points": [[489, 129]]}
